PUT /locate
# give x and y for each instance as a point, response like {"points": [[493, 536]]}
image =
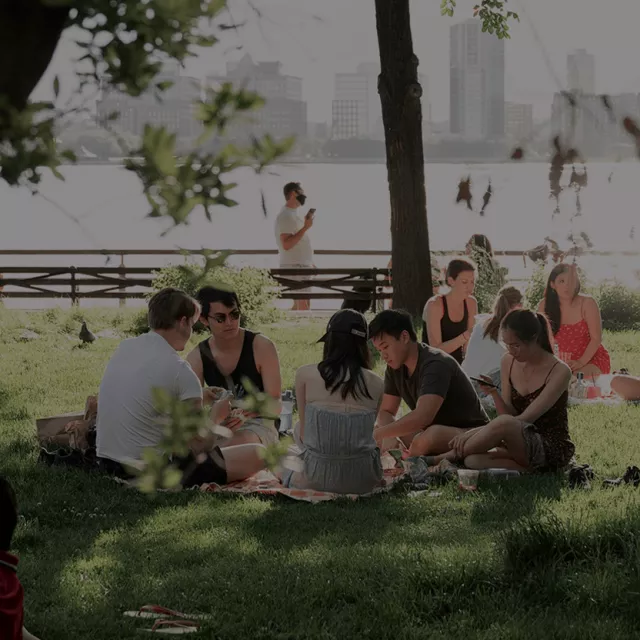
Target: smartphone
{"points": [[312, 212], [486, 384]]}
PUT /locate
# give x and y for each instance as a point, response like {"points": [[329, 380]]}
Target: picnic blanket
{"points": [[610, 400], [266, 484]]}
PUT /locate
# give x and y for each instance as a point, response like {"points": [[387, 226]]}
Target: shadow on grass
{"points": [[201, 558], [507, 500]]}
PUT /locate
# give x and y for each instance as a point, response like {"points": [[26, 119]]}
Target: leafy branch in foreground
{"points": [[183, 424], [493, 14]]}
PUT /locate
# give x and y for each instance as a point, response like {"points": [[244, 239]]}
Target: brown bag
{"points": [[68, 429]]}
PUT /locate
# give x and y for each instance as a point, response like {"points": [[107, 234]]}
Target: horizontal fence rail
{"points": [[122, 282]]}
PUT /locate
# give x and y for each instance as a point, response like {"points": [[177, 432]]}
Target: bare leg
{"points": [[490, 461], [240, 438], [626, 387], [433, 440], [243, 461], [505, 430]]}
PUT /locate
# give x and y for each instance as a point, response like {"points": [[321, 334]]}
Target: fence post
{"points": [[123, 274], [374, 290], [74, 287]]}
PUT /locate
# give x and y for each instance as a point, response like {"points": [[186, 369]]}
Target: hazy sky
{"points": [[315, 39]]}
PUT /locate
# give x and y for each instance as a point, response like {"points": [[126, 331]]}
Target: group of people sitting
{"points": [[348, 415]]}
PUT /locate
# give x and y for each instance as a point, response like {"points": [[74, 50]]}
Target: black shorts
{"points": [[211, 470], [113, 468]]}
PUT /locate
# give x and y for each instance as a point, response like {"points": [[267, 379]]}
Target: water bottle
{"points": [[581, 390], [286, 414]]}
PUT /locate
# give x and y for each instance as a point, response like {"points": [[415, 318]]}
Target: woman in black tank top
{"points": [[439, 329]]}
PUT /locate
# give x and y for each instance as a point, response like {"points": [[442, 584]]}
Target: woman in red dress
{"points": [[575, 321]]}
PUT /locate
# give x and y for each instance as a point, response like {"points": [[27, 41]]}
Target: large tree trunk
{"points": [[29, 34], [400, 95]]}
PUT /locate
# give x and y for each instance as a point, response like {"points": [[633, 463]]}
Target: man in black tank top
{"points": [[231, 355]]}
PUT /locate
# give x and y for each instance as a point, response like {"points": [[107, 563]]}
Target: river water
{"points": [[352, 205]]}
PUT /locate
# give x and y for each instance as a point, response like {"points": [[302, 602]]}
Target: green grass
{"points": [[527, 558]]}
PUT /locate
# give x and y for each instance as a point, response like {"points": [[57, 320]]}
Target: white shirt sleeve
{"points": [[187, 383], [287, 223]]}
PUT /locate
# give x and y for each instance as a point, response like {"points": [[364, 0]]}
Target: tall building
{"points": [[175, 111], [361, 87], [346, 118], [284, 113], [476, 100], [518, 121], [581, 72]]}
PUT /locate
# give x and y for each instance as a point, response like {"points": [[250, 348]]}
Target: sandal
{"points": [[174, 627], [156, 611]]}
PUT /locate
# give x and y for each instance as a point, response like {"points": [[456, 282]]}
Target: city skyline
{"points": [[343, 35]]}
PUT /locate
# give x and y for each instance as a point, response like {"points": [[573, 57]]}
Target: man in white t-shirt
{"points": [[294, 243], [128, 421]]}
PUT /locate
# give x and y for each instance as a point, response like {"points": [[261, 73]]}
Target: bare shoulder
{"points": [[473, 303], [194, 355], [435, 303], [588, 302], [263, 345], [562, 372], [506, 361]]}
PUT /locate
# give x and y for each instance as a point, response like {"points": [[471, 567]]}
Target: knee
{"points": [[420, 444], [501, 424], [426, 442], [417, 447], [472, 461]]}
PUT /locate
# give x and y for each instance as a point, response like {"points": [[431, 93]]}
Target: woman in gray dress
{"points": [[338, 401]]}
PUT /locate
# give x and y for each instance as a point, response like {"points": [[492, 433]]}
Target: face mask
{"points": [[301, 198]]}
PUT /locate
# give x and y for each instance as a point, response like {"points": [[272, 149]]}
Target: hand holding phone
{"points": [[308, 219], [484, 381]]}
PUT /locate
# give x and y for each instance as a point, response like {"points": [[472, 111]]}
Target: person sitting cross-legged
{"points": [[532, 431], [232, 354], [441, 397], [128, 419]]}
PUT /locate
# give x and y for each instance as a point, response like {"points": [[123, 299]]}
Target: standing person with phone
{"points": [[294, 243]]}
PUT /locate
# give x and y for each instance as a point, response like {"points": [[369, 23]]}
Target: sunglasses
{"points": [[221, 318]]}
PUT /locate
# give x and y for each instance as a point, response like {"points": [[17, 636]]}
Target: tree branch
{"points": [[29, 34]]}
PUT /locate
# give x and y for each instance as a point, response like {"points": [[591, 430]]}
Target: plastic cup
{"points": [[594, 392], [468, 479]]}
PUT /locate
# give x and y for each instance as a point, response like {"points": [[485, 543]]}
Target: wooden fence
{"points": [[123, 282]]}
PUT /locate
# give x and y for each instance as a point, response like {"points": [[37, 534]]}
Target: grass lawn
{"points": [[527, 558]]}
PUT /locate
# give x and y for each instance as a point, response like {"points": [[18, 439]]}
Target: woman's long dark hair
{"points": [[480, 241], [529, 327], [507, 298], [344, 358], [551, 299]]}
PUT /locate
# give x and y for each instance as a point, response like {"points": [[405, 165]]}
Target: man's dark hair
{"points": [[208, 295], [8, 514], [392, 322], [290, 187]]}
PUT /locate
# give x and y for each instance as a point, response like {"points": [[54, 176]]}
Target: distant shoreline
{"points": [[383, 161]]}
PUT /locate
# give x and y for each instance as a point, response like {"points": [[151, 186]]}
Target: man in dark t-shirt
{"points": [[441, 397]]}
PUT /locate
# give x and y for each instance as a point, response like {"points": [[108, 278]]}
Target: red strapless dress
{"points": [[574, 339]]}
